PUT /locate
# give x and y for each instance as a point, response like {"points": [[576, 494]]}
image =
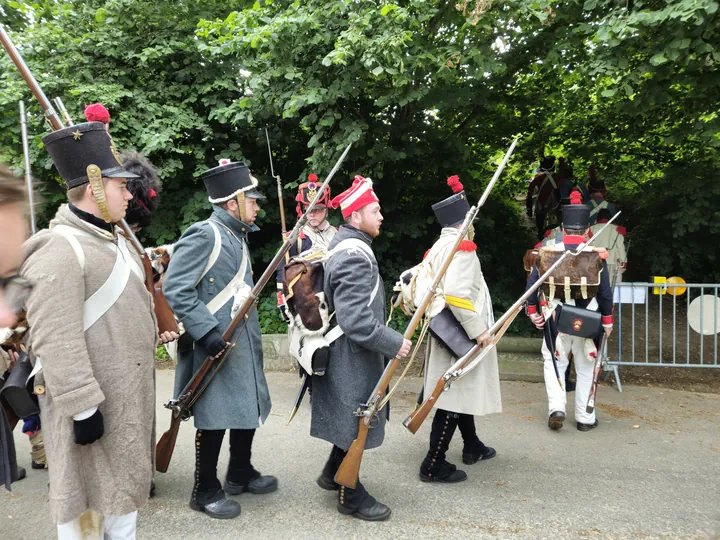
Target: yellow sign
{"points": [[674, 280]]}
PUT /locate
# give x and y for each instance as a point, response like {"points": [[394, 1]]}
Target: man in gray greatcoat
{"points": [[208, 279], [354, 291]]}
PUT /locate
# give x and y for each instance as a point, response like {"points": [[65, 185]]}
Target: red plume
{"points": [[454, 183], [592, 172], [97, 113], [312, 177], [576, 197]]}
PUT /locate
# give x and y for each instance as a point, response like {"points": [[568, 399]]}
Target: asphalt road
{"points": [[651, 470]]}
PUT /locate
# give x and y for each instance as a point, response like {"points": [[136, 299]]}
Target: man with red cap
{"points": [[355, 293], [315, 235]]}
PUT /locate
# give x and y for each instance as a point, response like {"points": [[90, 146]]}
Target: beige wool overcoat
{"points": [[467, 296], [111, 365]]}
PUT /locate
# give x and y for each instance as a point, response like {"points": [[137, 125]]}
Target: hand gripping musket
{"points": [[165, 317], [473, 357], [347, 474], [279, 187], [28, 171], [181, 407]]}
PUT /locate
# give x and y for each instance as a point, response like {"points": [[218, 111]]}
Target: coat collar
{"points": [[65, 216], [232, 223], [348, 231]]}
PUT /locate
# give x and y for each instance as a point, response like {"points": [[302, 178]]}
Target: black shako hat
{"points": [[576, 215], [452, 211], [228, 180], [74, 148]]}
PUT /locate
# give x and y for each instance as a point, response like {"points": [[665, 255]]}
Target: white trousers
{"points": [[93, 526], [584, 353]]}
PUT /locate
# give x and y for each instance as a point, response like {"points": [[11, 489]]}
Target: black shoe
{"points": [[555, 422], [327, 483], [21, 473], [470, 458], [376, 512], [587, 427], [447, 473], [36, 465], [152, 489], [221, 509], [258, 486]]}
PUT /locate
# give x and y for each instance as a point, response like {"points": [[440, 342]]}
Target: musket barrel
{"points": [[28, 171], [50, 112]]}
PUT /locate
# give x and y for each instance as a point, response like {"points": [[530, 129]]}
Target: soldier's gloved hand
{"points": [[213, 343], [538, 320], [89, 430], [284, 315]]}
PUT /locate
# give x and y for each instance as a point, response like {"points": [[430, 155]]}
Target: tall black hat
{"points": [[576, 215], [547, 163], [228, 180], [452, 211], [75, 148]]}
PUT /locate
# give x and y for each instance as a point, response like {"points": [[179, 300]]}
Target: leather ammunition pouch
{"points": [[450, 334], [15, 390], [579, 322]]}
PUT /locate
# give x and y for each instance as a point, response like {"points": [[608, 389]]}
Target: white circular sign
{"points": [[704, 314]]}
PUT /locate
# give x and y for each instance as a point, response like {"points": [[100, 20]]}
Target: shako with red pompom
{"points": [[451, 211], [576, 215], [307, 192]]}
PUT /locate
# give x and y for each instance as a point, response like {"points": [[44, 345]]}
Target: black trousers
{"points": [[208, 443]]}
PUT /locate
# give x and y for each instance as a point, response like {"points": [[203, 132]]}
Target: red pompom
{"points": [[467, 245], [454, 183], [153, 193], [576, 197], [312, 177], [97, 113]]}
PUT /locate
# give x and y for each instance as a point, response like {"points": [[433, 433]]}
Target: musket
{"points": [[602, 353], [347, 474], [63, 111], [549, 342], [50, 113], [181, 407], [279, 187], [165, 317], [28, 171], [474, 356]]}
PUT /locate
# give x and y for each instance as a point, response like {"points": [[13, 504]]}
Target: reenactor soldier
{"points": [[467, 298], [95, 372], [315, 236], [612, 239], [577, 320], [208, 279], [354, 291]]}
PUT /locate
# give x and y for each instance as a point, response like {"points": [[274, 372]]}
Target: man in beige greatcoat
{"points": [[478, 393], [93, 334]]}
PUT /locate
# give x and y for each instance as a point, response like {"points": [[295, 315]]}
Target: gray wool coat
{"points": [[238, 397], [357, 358]]}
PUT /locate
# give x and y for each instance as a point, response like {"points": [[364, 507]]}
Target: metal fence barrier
{"points": [[665, 325]]}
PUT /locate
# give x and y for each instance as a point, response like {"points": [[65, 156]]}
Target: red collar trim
{"points": [[573, 239]]}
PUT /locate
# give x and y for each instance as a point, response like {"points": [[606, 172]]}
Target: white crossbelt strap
{"points": [[217, 246], [598, 207], [236, 284], [356, 243], [548, 177]]}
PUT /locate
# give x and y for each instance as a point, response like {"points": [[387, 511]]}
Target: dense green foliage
{"points": [[423, 88]]}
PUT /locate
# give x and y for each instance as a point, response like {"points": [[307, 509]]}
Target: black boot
{"points": [[241, 476], [326, 480], [555, 421], [360, 504], [473, 448], [434, 468], [207, 495]]}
